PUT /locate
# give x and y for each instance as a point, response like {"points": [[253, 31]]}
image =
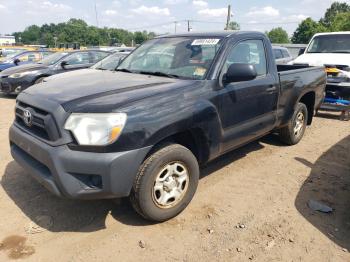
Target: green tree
{"points": [[331, 13], [278, 35], [306, 29], [341, 22], [78, 31], [233, 26]]}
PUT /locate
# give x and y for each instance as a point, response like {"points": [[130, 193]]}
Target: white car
{"points": [[282, 55]]}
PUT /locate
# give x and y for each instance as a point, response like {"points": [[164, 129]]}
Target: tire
{"points": [[154, 184], [39, 80], [291, 134]]}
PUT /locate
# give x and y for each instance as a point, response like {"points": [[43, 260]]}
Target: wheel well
{"points": [[193, 139], [309, 100]]}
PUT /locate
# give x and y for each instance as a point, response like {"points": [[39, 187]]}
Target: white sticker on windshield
{"points": [[203, 41]]}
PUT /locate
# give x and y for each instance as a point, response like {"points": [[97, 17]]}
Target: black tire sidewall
{"points": [[39, 80], [148, 207], [300, 108]]}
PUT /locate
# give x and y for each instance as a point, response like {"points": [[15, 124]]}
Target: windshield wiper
{"points": [[157, 73], [100, 68], [124, 70]]}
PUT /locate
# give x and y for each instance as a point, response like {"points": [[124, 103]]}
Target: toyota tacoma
{"points": [[144, 129]]}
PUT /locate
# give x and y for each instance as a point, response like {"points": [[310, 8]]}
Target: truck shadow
{"points": [[329, 183], [86, 216], [10, 97]]}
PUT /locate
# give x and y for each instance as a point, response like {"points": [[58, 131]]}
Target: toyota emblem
{"points": [[27, 117]]}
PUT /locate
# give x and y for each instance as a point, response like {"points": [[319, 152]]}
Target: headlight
{"points": [[96, 129], [19, 75]]}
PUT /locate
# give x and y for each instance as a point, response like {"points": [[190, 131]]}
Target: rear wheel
{"points": [[294, 131], [166, 183]]}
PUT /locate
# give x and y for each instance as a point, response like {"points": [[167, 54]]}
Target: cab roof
{"points": [[221, 34], [334, 33]]}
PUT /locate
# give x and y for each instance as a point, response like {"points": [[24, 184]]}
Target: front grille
{"points": [[5, 87], [43, 124]]}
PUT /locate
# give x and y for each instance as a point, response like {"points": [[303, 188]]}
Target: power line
{"points": [[208, 22]]}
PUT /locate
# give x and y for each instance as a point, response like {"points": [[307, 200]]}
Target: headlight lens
{"points": [[96, 129], [19, 75]]}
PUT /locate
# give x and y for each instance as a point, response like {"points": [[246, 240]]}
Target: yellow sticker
{"points": [[199, 71]]}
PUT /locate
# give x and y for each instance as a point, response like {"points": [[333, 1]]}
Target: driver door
{"points": [[247, 109]]}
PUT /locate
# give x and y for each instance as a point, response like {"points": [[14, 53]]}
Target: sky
{"points": [[160, 16]]}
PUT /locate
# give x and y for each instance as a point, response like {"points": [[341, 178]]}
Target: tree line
{"points": [[336, 18], [78, 31]]}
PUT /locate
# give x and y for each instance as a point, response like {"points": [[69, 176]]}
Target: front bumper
{"points": [[73, 174], [14, 86]]}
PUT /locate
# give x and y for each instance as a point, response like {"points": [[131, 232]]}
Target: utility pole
{"points": [[175, 22], [228, 16], [188, 26], [96, 14]]}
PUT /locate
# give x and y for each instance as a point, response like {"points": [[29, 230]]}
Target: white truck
{"points": [[331, 50]]}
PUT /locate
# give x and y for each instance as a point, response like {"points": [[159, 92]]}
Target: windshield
{"points": [[110, 62], [182, 57], [53, 59], [336, 43]]}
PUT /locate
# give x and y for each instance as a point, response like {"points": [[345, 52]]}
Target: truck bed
{"points": [[296, 80]]}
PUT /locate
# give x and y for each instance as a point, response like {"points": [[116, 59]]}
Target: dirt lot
{"points": [[250, 205]]}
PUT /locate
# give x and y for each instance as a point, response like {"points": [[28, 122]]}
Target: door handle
{"points": [[271, 89]]}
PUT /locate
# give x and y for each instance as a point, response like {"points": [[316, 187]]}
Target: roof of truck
{"points": [[227, 33], [334, 33]]}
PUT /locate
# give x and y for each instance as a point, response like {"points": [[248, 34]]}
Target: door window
{"points": [[248, 52], [78, 58], [97, 56], [30, 57], [285, 53], [277, 53]]}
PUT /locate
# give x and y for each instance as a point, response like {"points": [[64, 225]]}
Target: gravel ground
{"points": [[251, 204]]}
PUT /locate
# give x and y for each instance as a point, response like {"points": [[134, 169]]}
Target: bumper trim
{"points": [[56, 167]]}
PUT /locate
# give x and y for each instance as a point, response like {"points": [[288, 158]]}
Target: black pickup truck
{"points": [[143, 130]]}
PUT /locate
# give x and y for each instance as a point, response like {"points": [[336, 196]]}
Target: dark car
{"points": [[176, 102], [23, 58], [15, 80], [282, 55], [110, 62]]}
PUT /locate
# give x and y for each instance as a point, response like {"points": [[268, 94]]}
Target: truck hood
{"points": [[91, 90], [23, 68], [321, 59]]}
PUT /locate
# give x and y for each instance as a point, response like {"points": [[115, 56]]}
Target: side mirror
{"points": [[240, 72], [301, 51], [16, 61], [64, 64]]}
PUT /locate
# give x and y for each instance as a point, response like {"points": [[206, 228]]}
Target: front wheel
{"points": [[294, 131], [166, 183], [39, 80]]}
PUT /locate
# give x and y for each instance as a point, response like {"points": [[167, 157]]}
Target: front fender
{"points": [[202, 115]]}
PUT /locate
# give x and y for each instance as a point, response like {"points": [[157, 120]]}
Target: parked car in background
{"points": [[174, 103], [22, 58], [331, 50], [7, 53], [282, 55], [110, 62], [14, 80]]}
